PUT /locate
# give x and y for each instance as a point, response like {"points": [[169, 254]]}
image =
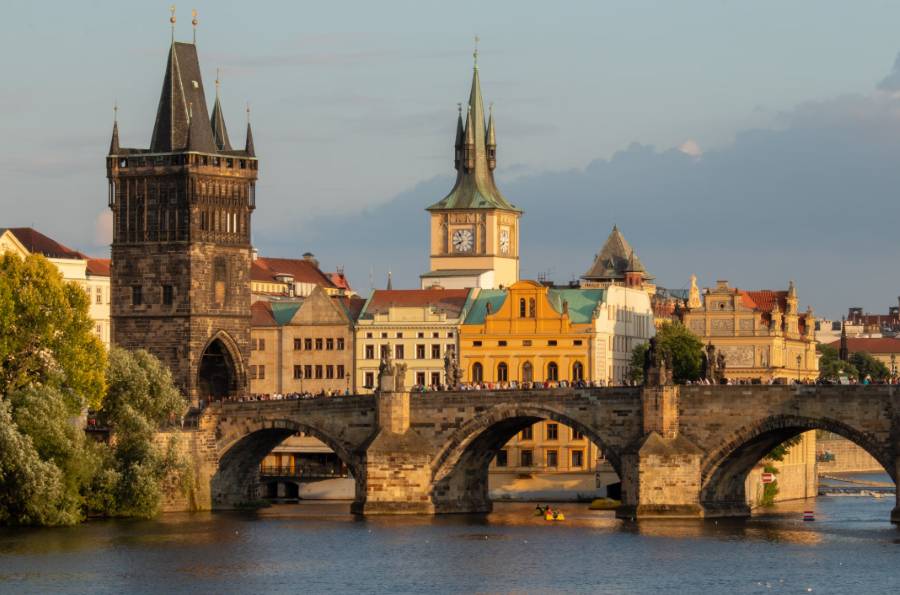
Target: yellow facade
{"points": [[762, 334]]}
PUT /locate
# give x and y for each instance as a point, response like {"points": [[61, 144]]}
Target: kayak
{"points": [[555, 517]]}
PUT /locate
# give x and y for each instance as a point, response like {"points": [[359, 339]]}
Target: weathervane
{"points": [[172, 20], [194, 23]]}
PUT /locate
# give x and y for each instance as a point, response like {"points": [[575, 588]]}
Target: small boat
{"points": [[554, 516], [809, 515]]}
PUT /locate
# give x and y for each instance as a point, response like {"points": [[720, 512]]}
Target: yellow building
{"points": [[415, 327], [884, 349], [92, 274], [762, 334], [474, 229]]}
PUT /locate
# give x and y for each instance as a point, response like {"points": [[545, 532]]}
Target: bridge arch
{"points": [[725, 469], [460, 468], [236, 476]]}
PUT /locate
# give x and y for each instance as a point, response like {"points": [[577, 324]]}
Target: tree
{"points": [[831, 366], [867, 366], [45, 333], [681, 345], [636, 365]]}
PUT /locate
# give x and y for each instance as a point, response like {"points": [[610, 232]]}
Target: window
{"points": [[502, 458], [318, 344], [477, 372], [398, 351], [297, 344], [526, 343], [384, 335], [526, 458], [368, 335], [576, 435], [307, 344], [522, 311], [370, 352], [577, 458], [551, 343], [253, 344], [137, 295], [298, 372], [340, 371], [532, 308], [528, 433], [420, 378], [261, 372], [307, 371], [435, 379], [262, 344], [329, 344], [370, 380], [167, 295], [420, 335], [450, 335], [553, 458], [399, 335], [435, 335], [552, 431], [252, 372], [329, 372], [340, 343], [435, 352], [577, 342], [420, 352], [476, 343], [552, 371], [527, 372], [385, 350], [501, 343], [502, 372], [99, 295], [319, 372], [577, 371]]}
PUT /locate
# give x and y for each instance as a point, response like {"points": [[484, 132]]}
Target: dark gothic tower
{"points": [[181, 238]]}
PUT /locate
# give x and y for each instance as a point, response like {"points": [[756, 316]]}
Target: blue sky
{"points": [[786, 168]]}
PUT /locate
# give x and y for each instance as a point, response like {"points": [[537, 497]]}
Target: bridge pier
{"points": [[396, 465]]}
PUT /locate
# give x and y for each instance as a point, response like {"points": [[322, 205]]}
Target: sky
{"points": [[753, 142]]}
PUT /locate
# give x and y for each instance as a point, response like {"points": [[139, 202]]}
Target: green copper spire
{"points": [[475, 187]]}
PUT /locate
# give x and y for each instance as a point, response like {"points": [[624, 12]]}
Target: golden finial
{"points": [[172, 20], [475, 53], [217, 82], [194, 23]]}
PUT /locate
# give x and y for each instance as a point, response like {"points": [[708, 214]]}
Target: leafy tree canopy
{"points": [[831, 367], [683, 347], [867, 366]]}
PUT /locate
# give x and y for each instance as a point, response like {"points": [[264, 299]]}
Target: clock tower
{"points": [[474, 230]]}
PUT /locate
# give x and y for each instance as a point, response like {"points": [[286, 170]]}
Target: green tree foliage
{"points": [[682, 346], [831, 367], [45, 333], [867, 366]]}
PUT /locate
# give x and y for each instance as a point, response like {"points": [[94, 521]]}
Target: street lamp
{"points": [[799, 359]]}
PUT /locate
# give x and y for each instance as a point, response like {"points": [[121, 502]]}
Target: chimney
{"points": [[310, 257], [254, 253]]}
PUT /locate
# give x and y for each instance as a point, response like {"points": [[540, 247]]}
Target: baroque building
{"points": [[180, 273], [762, 334], [474, 229]]}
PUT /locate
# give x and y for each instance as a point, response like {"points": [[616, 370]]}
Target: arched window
{"points": [[577, 371], [527, 372], [477, 372], [502, 372], [552, 371], [532, 309], [522, 312]]}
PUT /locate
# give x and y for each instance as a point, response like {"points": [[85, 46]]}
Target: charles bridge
{"points": [[680, 451]]}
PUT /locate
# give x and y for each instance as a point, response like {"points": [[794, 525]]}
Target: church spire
{"points": [[114, 142], [182, 93], [460, 138], [217, 121]]}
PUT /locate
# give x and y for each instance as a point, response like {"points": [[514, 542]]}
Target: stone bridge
{"points": [[681, 451]]}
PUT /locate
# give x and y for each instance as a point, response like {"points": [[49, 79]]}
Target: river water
{"points": [[311, 547]]}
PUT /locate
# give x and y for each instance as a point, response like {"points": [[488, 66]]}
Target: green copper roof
{"points": [[582, 302], [478, 308], [283, 312], [475, 187]]}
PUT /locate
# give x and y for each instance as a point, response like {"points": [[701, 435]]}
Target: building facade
{"points": [[91, 274], [303, 346], [415, 328], [474, 229], [762, 333], [180, 273], [279, 278], [884, 349]]}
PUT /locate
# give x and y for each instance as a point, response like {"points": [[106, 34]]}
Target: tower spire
{"points": [[114, 141], [248, 144], [217, 121], [491, 139], [460, 138]]}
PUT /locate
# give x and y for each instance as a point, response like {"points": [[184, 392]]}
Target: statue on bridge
{"points": [[452, 373], [391, 376], [713, 365], [657, 365]]}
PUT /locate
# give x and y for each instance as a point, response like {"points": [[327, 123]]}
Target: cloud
{"points": [[690, 147], [891, 83]]}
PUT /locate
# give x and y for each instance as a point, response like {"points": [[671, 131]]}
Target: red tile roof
{"points": [[340, 281], [265, 269], [261, 314], [352, 305], [870, 345], [98, 267], [765, 299], [451, 301], [36, 242]]}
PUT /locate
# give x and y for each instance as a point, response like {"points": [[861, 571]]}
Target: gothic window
{"points": [[552, 371], [477, 372], [577, 371], [502, 372], [220, 278], [532, 309], [522, 312]]}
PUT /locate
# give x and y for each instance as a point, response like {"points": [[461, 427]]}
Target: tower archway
{"points": [[220, 373]]}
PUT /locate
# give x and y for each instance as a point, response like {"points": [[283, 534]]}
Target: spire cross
{"points": [[172, 20], [475, 53], [194, 23]]}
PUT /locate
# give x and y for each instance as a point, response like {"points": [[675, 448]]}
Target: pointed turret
{"points": [[390, 283], [615, 260], [217, 121], [182, 92], [491, 141], [114, 142], [460, 139], [248, 144]]}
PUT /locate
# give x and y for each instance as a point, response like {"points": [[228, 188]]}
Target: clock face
{"points": [[504, 241], [463, 240]]}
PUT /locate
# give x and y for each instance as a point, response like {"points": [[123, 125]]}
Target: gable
{"points": [[319, 308]]}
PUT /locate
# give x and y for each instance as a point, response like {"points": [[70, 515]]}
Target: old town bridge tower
{"points": [[181, 238]]}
